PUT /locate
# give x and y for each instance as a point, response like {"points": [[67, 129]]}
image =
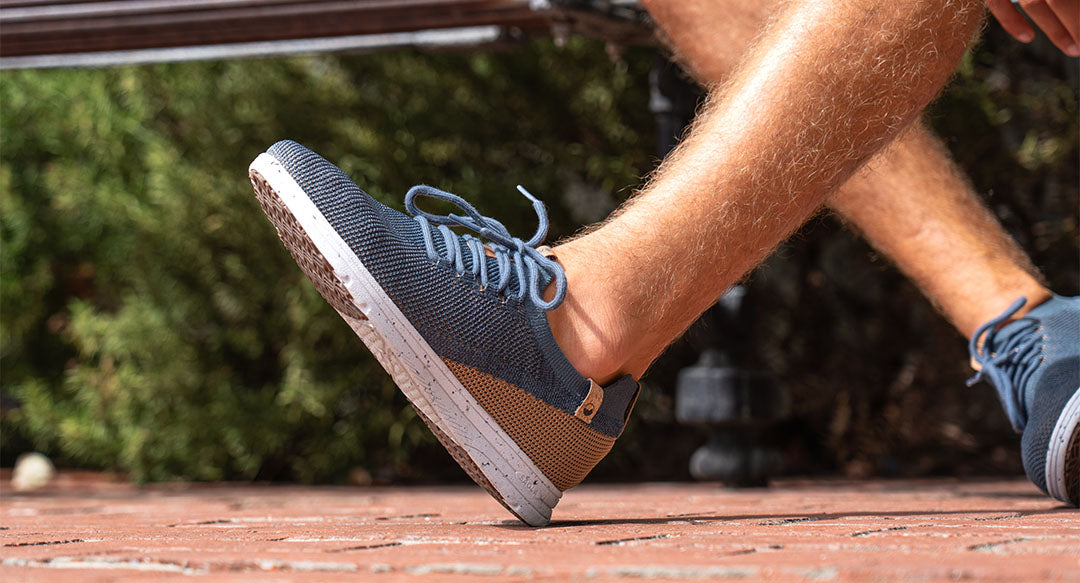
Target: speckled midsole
{"points": [[455, 415]]}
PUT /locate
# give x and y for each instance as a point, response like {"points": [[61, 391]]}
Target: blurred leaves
{"points": [[153, 323]]}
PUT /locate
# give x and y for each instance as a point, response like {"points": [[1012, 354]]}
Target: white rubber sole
{"points": [[1057, 452], [470, 434]]}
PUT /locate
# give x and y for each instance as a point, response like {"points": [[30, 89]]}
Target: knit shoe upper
{"points": [[466, 306], [1034, 363]]}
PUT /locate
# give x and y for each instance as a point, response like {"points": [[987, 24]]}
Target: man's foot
{"points": [[1034, 363], [459, 323]]}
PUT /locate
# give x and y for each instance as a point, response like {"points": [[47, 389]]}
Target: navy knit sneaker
{"points": [[1034, 363], [458, 322]]}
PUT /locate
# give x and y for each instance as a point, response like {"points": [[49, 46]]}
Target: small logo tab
{"points": [[588, 408]]}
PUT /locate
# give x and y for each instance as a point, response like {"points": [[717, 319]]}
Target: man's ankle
{"points": [[587, 326], [1036, 296]]}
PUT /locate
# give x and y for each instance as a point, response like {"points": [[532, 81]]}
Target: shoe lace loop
{"points": [[1008, 361], [514, 256]]}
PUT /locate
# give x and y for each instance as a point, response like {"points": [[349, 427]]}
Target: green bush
{"points": [[153, 323]]}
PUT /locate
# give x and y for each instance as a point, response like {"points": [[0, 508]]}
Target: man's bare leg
{"points": [[914, 205], [910, 202], [828, 85]]}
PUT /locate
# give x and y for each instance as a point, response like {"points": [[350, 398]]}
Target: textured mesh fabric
{"points": [[1060, 321], [1054, 380], [619, 399], [565, 448], [1043, 417], [495, 333]]}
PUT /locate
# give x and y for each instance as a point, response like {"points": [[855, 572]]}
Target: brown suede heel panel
{"points": [[564, 448]]}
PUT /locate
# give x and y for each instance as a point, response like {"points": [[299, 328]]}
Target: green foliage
{"points": [[153, 323]]}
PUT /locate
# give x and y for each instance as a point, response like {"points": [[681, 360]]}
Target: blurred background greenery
{"points": [[153, 324]]}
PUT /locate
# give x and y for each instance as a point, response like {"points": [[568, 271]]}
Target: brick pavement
{"points": [[85, 528]]}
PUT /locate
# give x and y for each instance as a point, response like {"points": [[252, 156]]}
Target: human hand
{"points": [[1059, 19]]}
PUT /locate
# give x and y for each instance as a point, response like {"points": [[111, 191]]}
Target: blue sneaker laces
{"points": [[1009, 366], [526, 259]]}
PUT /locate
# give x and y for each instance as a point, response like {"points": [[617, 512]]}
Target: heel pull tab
{"points": [[588, 408]]}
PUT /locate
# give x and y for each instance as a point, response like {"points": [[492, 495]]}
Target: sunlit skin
{"points": [[1058, 19], [910, 201], [826, 86]]}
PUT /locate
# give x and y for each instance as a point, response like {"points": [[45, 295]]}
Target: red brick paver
{"points": [[92, 530]]}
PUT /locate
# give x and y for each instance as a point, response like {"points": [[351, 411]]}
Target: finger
{"points": [[1011, 20], [1068, 12], [1048, 22]]}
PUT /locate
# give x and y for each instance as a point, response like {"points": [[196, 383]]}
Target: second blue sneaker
{"points": [[459, 322], [1034, 363]]}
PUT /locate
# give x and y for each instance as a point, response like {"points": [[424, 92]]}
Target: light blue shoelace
{"points": [[513, 256], [1009, 366]]}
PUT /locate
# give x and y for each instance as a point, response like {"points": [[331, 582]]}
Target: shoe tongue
{"points": [[1017, 369], [1007, 331]]}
